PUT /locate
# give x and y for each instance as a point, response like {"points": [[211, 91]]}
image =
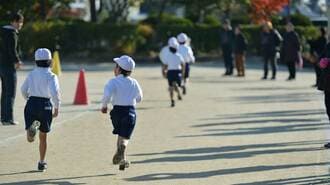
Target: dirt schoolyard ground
{"points": [[227, 130]]}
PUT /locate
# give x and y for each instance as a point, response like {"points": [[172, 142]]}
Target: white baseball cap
{"points": [[42, 54], [173, 43], [182, 37], [125, 62]]}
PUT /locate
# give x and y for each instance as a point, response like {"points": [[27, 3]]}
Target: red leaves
{"points": [[262, 10]]}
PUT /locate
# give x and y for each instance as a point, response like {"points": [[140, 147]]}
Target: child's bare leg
{"points": [[176, 88], [42, 145], [171, 89]]}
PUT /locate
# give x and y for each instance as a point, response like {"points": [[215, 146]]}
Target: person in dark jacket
{"points": [[270, 41], [318, 51], [290, 50], [226, 41], [239, 50], [324, 83], [9, 63]]}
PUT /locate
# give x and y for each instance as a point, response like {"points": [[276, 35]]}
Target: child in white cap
{"points": [[123, 92], [39, 88], [188, 56], [173, 67]]}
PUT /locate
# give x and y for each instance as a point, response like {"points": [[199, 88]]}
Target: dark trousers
{"points": [[8, 93], [327, 102], [292, 69], [228, 58], [273, 63], [318, 72]]}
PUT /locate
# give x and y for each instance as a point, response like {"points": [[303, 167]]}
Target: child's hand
{"points": [[55, 114], [104, 110]]}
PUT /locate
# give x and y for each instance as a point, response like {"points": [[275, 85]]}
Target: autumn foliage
{"points": [[262, 10]]}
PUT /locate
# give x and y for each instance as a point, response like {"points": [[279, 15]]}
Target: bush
{"points": [[78, 37]]}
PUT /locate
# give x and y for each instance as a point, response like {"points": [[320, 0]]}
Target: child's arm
{"points": [[54, 88], [108, 90], [164, 70], [139, 93], [191, 55], [25, 88]]}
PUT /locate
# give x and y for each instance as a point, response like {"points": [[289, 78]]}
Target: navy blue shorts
{"points": [[174, 76], [38, 109], [123, 120], [187, 70]]}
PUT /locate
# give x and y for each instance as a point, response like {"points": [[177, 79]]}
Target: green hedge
{"points": [[76, 38]]}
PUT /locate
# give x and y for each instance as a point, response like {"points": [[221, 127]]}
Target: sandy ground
{"points": [[227, 130]]}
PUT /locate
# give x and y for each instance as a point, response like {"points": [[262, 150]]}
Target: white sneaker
{"points": [[32, 130]]}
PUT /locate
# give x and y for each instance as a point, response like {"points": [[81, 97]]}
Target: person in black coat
{"points": [[318, 51], [270, 41], [290, 50], [226, 42], [9, 63], [324, 83], [239, 51]]}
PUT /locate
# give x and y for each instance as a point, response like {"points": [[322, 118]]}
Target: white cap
{"points": [[125, 62], [182, 37], [42, 54], [173, 43]]}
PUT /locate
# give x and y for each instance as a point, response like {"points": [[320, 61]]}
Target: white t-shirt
{"points": [[41, 82], [124, 91], [172, 60], [187, 53]]}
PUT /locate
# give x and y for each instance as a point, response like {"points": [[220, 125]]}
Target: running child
{"points": [[39, 88], [173, 67], [123, 92], [188, 56]]}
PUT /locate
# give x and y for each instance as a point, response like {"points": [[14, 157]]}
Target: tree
{"points": [[93, 10], [262, 10], [118, 9], [31, 9]]}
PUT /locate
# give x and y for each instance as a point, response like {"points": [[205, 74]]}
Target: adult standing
{"points": [[324, 83], [270, 41], [318, 51], [290, 50], [9, 63], [226, 42], [239, 50]]}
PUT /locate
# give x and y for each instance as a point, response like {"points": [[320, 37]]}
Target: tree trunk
{"points": [[93, 11], [43, 10]]}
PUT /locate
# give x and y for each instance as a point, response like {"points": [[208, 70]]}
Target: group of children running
{"points": [[42, 91], [176, 58]]}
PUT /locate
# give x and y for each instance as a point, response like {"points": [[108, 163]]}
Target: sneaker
{"points": [[32, 130], [263, 78], [327, 146], [172, 103], [273, 78], [10, 123], [120, 153], [184, 90], [179, 97], [42, 166], [116, 158], [124, 164]]}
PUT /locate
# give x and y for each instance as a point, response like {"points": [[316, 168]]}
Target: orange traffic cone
{"points": [[81, 92]]}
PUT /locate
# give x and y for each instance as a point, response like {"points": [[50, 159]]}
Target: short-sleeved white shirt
{"points": [[187, 53], [172, 60], [123, 91]]}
